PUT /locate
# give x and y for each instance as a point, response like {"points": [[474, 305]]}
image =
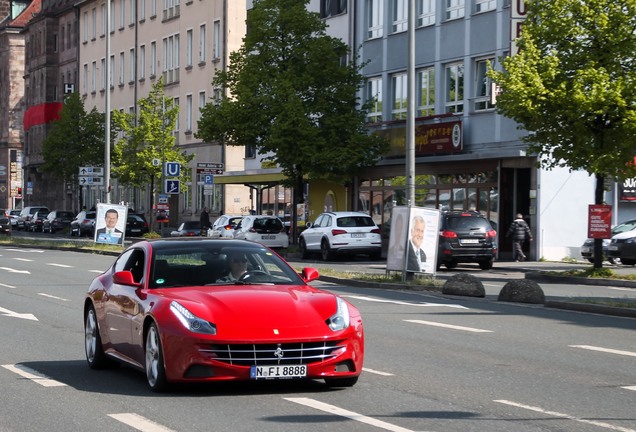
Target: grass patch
{"points": [[391, 278], [602, 273]]}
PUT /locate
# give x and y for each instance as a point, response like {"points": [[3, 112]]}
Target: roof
{"points": [[27, 14]]}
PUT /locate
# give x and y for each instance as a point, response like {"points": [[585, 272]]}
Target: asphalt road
{"points": [[431, 364]]}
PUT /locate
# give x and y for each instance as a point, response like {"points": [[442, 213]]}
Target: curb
{"points": [[538, 276]]}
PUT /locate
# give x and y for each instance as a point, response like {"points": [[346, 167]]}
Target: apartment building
{"points": [[186, 43]]}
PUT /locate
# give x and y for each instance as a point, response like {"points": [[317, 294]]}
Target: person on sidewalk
{"points": [[205, 222], [519, 231]]}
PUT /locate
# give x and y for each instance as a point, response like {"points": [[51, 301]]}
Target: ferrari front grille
{"points": [[268, 354]]}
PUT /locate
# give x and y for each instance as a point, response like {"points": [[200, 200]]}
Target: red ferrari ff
{"points": [[203, 310]]}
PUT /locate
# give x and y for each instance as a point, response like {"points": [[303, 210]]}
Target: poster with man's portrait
{"points": [[110, 223], [413, 240]]}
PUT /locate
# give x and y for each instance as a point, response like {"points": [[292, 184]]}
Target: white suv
{"points": [[224, 226], [265, 229], [341, 233]]}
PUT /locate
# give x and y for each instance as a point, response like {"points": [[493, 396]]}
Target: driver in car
{"points": [[238, 267]]}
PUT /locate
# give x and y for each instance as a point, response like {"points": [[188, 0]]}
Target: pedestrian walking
{"points": [[204, 221], [519, 231]]}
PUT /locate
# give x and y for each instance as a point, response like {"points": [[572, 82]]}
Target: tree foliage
{"points": [[292, 97], [148, 137], [572, 85], [73, 141]]}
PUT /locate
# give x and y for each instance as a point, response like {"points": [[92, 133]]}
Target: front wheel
{"points": [[155, 370], [486, 265], [304, 253], [325, 251], [93, 342]]}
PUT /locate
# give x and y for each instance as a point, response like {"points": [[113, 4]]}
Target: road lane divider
{"points": [[33, 375], [450, 326], [140, 423], [605, 350]]}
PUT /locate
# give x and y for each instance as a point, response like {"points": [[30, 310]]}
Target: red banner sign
{"points": [[599, 223]]}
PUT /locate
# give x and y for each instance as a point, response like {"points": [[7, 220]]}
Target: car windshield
{"points": [[468, 223], [624, 227], [214, 265], [355, 221], [190, 225]]}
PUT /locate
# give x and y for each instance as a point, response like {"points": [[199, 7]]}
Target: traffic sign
{"points": [[208, 179], [172, 169], [210, 168], [91, 171], [163, 199], [91, 181], [172, 186]]}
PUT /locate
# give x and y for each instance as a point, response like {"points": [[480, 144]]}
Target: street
{"points": [[431, 364]]}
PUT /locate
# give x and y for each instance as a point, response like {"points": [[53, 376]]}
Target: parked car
{"points": [[587, 250], [466, 237], [57, 220], [224, 226], [623, 247], [265, 229], [136, 225], [14, 214], [26, 214], [199, 329], [187, 229], [83, 224], [341, 233], [5, 222], [36, 222]]}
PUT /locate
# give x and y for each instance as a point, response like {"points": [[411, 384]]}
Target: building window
{"points": [[188, 113], [201, 103], [425, 13], [216, 47], [122, 13], [153, 59], [485, 5], [142, 10], [176, 105], [112, 16], [94, 23], [133, 12], [483, 85], [455, 88], [104, 16], [111, 71], [122, 68], [426, 92], [153, 8], [142, 62], [202, 43], [133, 63], [375, 17], [85, 28], [104, 76], [332, 7], [398, 96], [454, 9], [400, 14], [94, 77], [189, 48], [171, 59], [85, 79], [374, 100]]}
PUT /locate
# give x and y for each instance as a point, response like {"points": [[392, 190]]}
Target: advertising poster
{"points": [[110, 223], [413, 240]]}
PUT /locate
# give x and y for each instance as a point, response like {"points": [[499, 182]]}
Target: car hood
{"points": [[624, 235], [259, 311]]}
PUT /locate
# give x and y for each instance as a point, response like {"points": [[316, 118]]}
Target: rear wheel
{"points": [[450, 264], [155, 370], [304, 253], [626, 261], [325, 250], [376, 256], [486, 265]]}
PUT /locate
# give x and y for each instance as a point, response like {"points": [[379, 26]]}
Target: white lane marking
{"points": [[620, 289], [138, 422], [7, 286], [566, 416], [605, 350], [331, 409], [450, 326], [377, 372], [23, 259], [96, 271], [629, 388], [27, 250], [12, 270], [423, 304], [59, 265], [12, 314], [34, 376], [53, 297]]}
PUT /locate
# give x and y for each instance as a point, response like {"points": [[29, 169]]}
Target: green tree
{"points": [[572, 86], [76, 139], [292, 98], [146, 138]]}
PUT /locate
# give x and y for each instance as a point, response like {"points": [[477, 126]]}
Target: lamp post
{"points": [[107, 107], [410, 108]]}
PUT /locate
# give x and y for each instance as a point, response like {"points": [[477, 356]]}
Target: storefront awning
{"points": [[247, 178]]}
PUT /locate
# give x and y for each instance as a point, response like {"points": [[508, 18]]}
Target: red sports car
{"points": [[203, 310]]}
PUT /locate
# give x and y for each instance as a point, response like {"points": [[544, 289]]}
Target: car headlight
{"points": [[630, 240], [191, 321], [339, 320]]}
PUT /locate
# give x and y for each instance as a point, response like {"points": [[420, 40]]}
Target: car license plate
{"points": [[468, 241], [278, 372], [586, 249], [357, 235], [612, 248], [268, 237], [135, 230]]}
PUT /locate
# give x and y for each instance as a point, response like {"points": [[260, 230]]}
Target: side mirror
{"points": [[125, 277], [309, 274]]}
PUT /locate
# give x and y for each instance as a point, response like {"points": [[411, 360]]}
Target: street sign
{"points": [[172, 186], [172, 169], [91, 181], [91, 171], [163, 199], [210, 168], [208, 179]]}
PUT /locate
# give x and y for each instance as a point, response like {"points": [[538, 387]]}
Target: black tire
{"points": [[341, 382], [450, 264], [95, 356], [591, 260], [304, 253], [376, 256], [155, 369], [486, 265], [629, 262], [325, 251]]}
